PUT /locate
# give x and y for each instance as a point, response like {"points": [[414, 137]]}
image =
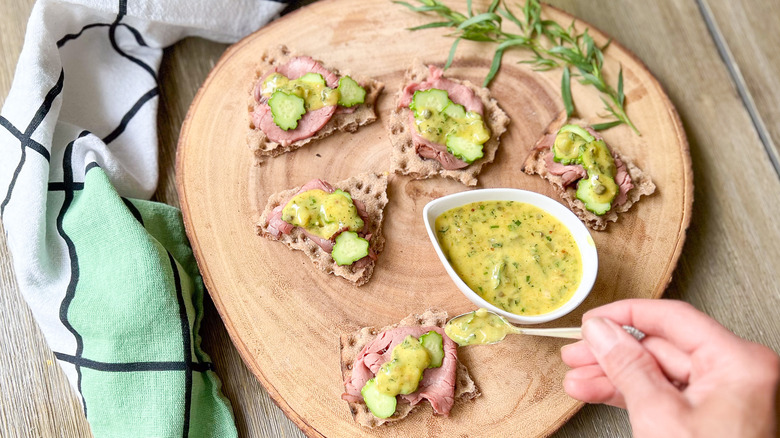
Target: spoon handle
{"points": [[564, 332], [573, 332]]}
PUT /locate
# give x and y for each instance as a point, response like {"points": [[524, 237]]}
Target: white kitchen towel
{"points": [[110, 277]]}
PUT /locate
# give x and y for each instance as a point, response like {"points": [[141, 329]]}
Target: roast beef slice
{"points": [[369, 188], [350, 345], [405, 160], [535, 165], [348, 121]]}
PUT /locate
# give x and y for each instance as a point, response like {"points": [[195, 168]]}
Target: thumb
{"points": [[627, 364]]}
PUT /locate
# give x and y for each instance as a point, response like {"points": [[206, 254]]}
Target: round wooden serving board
{"points": [[285, 316]]}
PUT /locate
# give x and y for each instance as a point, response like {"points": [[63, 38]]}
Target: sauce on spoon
{"points": [[478, 327]]}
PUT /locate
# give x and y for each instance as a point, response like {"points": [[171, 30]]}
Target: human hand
{"points": [[689, 376]]}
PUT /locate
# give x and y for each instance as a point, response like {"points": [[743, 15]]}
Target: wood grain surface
{"points": [[727, 267], [285, 317]]}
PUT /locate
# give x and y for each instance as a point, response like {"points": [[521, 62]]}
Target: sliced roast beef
{"points": [[428, 149], [301, 65], [316, 184], [361, 211], [277, 226], [459, 94], [294, 69], [623, 180], [344, 110], [437, 385], [546, 142], [312, 121], [308, 125], [569, 172], [574, 172], [325, 244]]}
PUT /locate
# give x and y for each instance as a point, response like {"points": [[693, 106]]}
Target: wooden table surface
{"points": [[717, 59]]}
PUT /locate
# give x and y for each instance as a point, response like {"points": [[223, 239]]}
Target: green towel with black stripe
{"points": [[110, 277], [134, 304]]}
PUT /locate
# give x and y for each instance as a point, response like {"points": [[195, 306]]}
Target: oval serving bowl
{"points": [[578, 230]]}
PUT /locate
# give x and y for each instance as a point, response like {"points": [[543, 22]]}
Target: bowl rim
{"points": [[582, 237]]}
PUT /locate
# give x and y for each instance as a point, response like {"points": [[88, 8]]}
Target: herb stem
{"points": [[553, 46]]}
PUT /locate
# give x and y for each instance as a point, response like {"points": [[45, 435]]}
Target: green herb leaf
{"points": [[481, 18], [435, 8], [431, 25], [452, 53], [405, 4], [493, 67], [474, 36], [506, 13], [566, 92], [607, 125]]}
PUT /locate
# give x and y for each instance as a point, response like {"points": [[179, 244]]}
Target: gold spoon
{"points": [[485, 327]]}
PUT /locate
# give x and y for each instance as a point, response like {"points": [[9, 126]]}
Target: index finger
{"points": [[678, 322]]}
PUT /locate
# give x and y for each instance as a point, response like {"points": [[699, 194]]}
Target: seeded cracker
{"points": [[364, 113], [404, 157], [350, 345], [535, 164], [371, 189]]}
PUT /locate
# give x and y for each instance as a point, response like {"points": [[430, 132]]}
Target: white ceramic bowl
{"points": [[578, 230]]}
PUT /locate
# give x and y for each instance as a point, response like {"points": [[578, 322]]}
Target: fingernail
{"points": [[600, 335]]}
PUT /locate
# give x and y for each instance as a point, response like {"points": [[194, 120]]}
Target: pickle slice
{"points": [[286, 109], [349, 248], [381, 405], [350, 92]]}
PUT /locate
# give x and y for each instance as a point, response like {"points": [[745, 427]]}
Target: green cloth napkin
{"points": [[137, 307]]}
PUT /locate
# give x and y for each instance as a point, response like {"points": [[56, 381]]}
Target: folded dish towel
{"points": [[110, 277]]}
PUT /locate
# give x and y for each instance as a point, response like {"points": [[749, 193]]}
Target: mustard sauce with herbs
{"points": [[321, 213], [440, 120], [478, 327], [514, 255], [311, 88], [435, 126], [402, 374]]}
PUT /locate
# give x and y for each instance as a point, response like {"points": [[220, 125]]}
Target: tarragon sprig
{"points": [[553, 46]]}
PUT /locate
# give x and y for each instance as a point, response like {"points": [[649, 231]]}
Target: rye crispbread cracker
{"points": [[405, 158], [369, 188], [350, 345], [364, 113], [535, 164]]}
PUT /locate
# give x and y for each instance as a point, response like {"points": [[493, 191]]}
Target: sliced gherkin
{"points": [[597, 193], [286, 109]]}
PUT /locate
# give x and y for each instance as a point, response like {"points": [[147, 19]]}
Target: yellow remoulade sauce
{"points": [[321, 213], [478, 327], [402, 374], [315, 93], [435, 126], [514, 255]]}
